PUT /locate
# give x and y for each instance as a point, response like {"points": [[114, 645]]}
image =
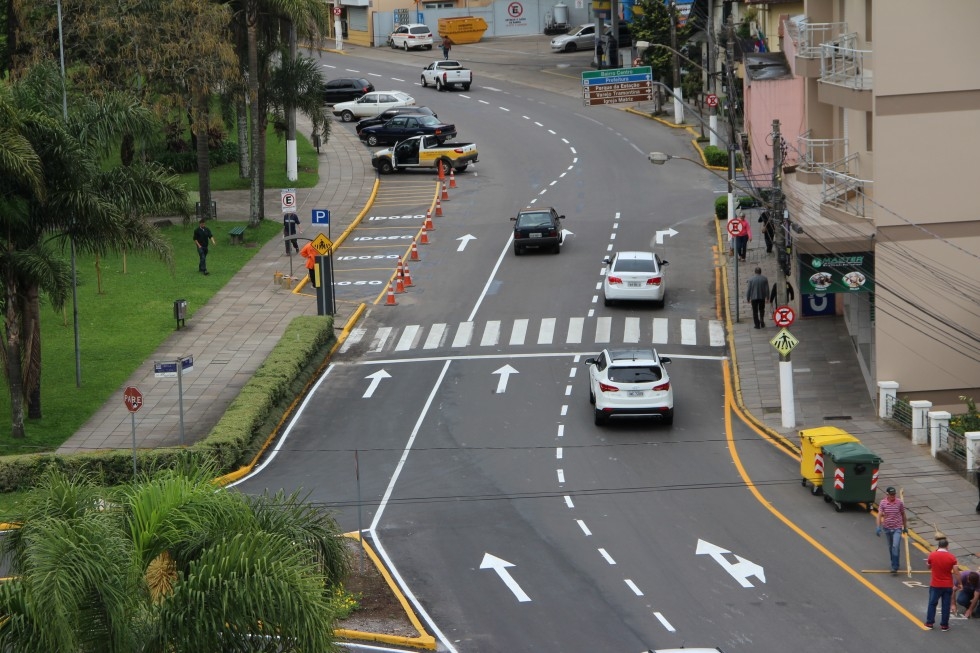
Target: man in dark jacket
{"points": [[758, 294], [202, 237]]}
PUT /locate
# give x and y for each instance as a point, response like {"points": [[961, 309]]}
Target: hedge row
{"points": [[235, 439]]}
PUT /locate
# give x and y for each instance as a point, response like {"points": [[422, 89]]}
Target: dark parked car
{"points": [[387, 115], [538, 228], [346, 89], [401, 127]]}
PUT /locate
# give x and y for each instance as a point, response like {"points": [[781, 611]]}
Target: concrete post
{"points": [[972, 450], [887, 391], [920, 422], [938, 422]]}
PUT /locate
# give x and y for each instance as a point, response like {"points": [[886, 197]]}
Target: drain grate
{"points": [[837, 417]]}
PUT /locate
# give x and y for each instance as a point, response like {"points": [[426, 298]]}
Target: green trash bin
{"points": [[850, 474]]}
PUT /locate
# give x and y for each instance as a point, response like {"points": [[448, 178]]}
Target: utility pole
{"points": [[778, 207], [712, 110], [678, 93], [292, 165]]}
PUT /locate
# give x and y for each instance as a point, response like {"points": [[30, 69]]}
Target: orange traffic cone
{"points": [[438, 207], [399, 279], [445, 191], [424, 239], [428, 226], [442, 171], [452, 177], [391, 295], [415, 250], [408, 276]]}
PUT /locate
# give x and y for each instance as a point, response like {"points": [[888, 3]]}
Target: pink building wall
{"points": [[765, 101]]}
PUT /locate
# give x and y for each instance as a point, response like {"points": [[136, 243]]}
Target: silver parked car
{"points": [[577, 38]]}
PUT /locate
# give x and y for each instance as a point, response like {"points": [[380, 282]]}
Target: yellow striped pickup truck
{"points": [[424, 152]]}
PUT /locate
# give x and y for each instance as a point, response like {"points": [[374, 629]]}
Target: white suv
{"points": [[630, 382], [413, 35]]}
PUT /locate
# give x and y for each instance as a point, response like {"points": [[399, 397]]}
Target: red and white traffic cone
{"points": [[399, 279], [424, 238], [407, 275], [445, 191], [438, 207], [415, 250], [428, 226], [452, 177], [391, 295], [442, 171]]}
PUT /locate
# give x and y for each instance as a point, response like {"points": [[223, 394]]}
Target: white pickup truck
{"points": [[447, 74]]}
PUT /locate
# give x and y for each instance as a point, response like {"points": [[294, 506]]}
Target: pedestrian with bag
{"points": [[892, 521], [942, 564], [768, 230], [757, 295], [310, 253]]}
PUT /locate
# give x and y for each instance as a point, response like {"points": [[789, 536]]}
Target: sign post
{"points": [[133, 399], [735, 229], [324, 271], [176, 368]]}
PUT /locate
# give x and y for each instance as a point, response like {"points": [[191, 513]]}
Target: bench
{"points": [[237, 236]]}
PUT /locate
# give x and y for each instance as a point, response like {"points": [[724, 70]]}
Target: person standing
{"points": [[203, 236], [768, 230], [941, 563], [447, 45], [309, 253], [892, 520], [744, 237], [757, 295], [290, 225]]}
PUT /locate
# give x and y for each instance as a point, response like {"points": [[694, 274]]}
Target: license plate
{"points": [[634, 393], [534, 235], [633, 284]]}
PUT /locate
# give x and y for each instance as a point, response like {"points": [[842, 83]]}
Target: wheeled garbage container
{"points": [[811, 457], [851, 474]]}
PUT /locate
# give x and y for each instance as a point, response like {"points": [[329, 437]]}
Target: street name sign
{"points": [[617, 85]]}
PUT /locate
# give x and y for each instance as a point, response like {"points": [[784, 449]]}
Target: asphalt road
{"points": [[622, 538]]}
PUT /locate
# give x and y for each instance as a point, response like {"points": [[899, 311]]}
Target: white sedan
{"points": [[635, 276], [371, 104]]}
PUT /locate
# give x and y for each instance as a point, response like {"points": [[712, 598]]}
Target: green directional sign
{"points": [[617, 72]]}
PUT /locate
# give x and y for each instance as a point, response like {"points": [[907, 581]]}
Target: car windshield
{"points": [[635, 265], [534, 220], [635, 374]]}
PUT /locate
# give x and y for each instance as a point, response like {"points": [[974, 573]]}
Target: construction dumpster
{"points": [[812, 442], [851, 475], [463, 29]]}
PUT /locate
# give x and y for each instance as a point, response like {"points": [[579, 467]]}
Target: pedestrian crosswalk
{"points": [[524, 332]]}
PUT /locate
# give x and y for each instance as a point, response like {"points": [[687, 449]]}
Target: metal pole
{"points": [[360, 523], [731, 216], [786, 395], [180, 396], [712, 111], [133, 417], [677, 92]]}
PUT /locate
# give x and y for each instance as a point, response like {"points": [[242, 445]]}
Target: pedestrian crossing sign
{"points": [[784, 342], [322, 244]]}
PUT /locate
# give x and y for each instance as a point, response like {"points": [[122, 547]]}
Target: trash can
{"points": [[852, 474], [180, 311], [811, 457]]}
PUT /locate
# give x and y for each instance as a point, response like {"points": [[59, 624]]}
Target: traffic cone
{"points": [[391, 295], [452, 177], [442, 171], [424, 239], [415, 250], [428, 226], [408, 276], [399, 279], [438, 207], [445, 191]]}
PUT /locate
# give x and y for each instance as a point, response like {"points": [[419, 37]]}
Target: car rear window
{"points": [[635, 374], [636, 265], [419, 30], [534, 220]]}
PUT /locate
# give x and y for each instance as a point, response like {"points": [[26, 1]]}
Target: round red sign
{"points": [[133, 398], [711, 100], [783, 316], [735, 227]]}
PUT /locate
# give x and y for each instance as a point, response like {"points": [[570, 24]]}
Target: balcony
{"points": [[809, 37], [816, 155], [843, 194], [845, 76]]}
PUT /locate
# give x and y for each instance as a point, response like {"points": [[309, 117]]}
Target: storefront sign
{"points": [[842, 273]]}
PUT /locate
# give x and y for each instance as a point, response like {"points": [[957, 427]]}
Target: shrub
{"points": [[721, 205], [715, 156], [966, 422]]}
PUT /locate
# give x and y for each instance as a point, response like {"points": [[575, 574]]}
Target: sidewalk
{"points": [[830, 390], [233, 334]]}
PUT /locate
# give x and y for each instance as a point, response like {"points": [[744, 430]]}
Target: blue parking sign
{"points": [[321, 216]]}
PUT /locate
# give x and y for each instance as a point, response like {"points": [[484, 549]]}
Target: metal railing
{"points": [[810, 36], [819, 153], [841, 189], [899, 410], [952, 442], [842, 63]]}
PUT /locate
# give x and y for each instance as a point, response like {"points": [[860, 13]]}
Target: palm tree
{"points": [[166, 565]]}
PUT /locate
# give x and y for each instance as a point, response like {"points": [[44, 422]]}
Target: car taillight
{"points": [[445, 77], [663, 387], [653, 281], [438, 131], [553, 233], [614, 280], [518, 235], [605, 387]]}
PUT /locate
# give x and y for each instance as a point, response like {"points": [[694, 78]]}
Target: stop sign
{"points": [[133, 398]]}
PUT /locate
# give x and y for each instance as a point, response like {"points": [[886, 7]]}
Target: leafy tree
{"points": [[298, 85], [166, 565]]}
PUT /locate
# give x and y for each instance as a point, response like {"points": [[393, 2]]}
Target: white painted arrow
{"points": [[504, 373], [500, 566], [465, 239], [661, 234], [740, 571], [565, 233], [375, 382]]}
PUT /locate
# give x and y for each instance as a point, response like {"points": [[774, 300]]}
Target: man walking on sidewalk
{"points": [[891, 519], [757, 295]]}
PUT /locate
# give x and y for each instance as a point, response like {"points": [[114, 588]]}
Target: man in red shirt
{"points": [[942, 564]]}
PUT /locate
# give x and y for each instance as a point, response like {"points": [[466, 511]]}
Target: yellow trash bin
{"points": [[811, 457], [463, 29]]}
